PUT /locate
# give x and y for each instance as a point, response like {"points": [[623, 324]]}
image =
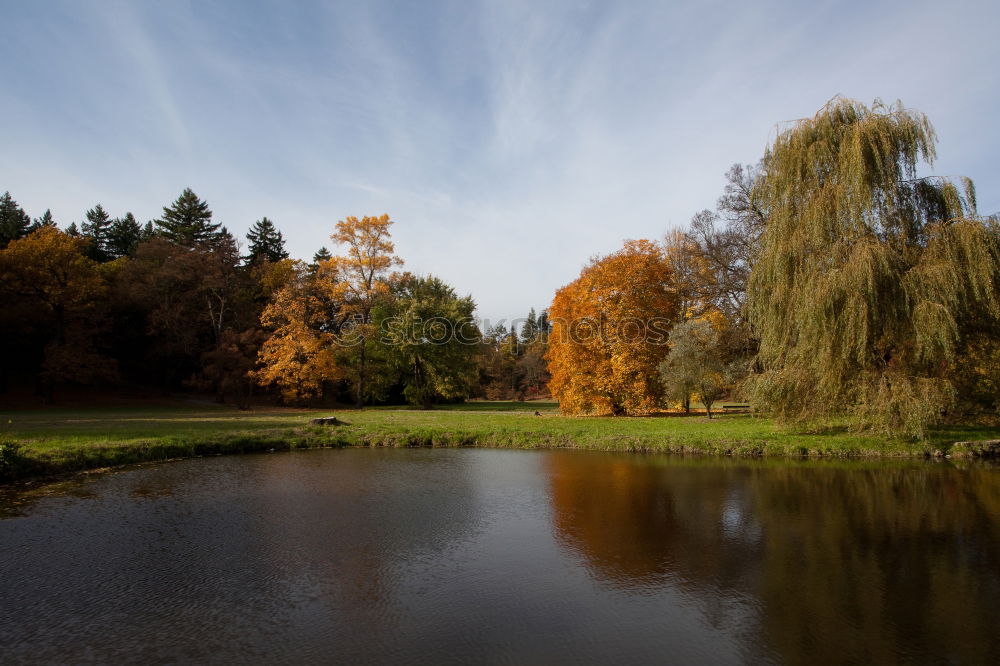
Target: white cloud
{"points": [[511, 141]]}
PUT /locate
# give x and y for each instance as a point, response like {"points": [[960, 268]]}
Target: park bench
{"points": [[736, 408]]}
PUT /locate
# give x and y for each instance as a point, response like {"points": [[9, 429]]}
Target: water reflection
{"points": [[871, 562], [225, 556], [468, 556]]}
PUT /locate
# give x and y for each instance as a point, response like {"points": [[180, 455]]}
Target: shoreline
{"points": [[33, 460]]}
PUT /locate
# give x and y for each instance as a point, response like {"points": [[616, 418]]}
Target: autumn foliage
{"points": [[299, 356], [52, 293], [610, 326], [831, 284], [321, 320]]}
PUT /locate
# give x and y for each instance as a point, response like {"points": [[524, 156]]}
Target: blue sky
{"points": [[510, 141]]}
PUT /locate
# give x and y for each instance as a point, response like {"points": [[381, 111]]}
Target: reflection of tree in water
{"points": [[310, 545], [896, 558], [637, 522], [870, 561]]}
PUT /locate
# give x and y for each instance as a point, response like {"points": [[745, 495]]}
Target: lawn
{"points": [[52, 440]]}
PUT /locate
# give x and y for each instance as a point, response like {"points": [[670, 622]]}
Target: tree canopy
{"points": [[53, 293], [431, 340], [188, 221], [123, 236], [694, 365], [266, 242], [96, 230], [866, 271], [46, 220], [14, 222], [358, 280], [609, 329]]}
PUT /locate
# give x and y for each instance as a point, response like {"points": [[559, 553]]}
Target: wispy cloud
{"points": [[511, 141], [124, 27]]}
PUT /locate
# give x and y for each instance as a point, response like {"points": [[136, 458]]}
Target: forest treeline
{"points": [[831, 284], [178, 304]]}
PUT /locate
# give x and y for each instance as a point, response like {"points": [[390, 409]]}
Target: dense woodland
{"points": [[179, 304], [829, 280]]}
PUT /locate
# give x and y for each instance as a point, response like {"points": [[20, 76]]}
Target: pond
{"points": [[491, 556]]}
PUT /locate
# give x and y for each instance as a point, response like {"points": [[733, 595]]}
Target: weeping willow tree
{"points": [[866, 273]]}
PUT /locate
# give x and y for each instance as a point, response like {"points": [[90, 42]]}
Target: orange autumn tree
{"points": [[610, 329], [299, 355]]}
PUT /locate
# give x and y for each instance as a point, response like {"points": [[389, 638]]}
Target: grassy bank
{"points": [[50, 441]]}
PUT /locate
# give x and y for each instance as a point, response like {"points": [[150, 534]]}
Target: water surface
{"points": [[490, 556]]}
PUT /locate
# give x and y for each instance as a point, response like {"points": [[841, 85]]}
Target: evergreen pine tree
{"points": [[124, 235], [14, 222], [188, 221], [544, 326], [95, 230], [226, 242], [321, 255], [73, 230], [530, 327], [44, 221], [148, 232], [266, 242]]}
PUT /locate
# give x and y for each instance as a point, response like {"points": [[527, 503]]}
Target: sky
{"points": [[509, 141]]}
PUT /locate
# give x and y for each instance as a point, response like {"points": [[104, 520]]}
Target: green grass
{"points": [[52, 441], [487, 406]]}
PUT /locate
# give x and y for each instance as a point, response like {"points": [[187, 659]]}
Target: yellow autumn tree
{"points": [[609, 332], [357, 281], [321, 319], [53, 293], [299, 355]]}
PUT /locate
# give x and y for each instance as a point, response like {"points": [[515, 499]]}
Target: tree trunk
{"points": [[47, 390], [360, 398], [243, 393]]}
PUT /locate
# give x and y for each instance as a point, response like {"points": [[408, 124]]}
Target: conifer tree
{"points": [[95, 231], [73, 230], [225, 241], [865, 272], [124, 235], [188, 221], [544, 326], [529, 329], [266, 243], [14, 222], [321, 255], [45, 220]]}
